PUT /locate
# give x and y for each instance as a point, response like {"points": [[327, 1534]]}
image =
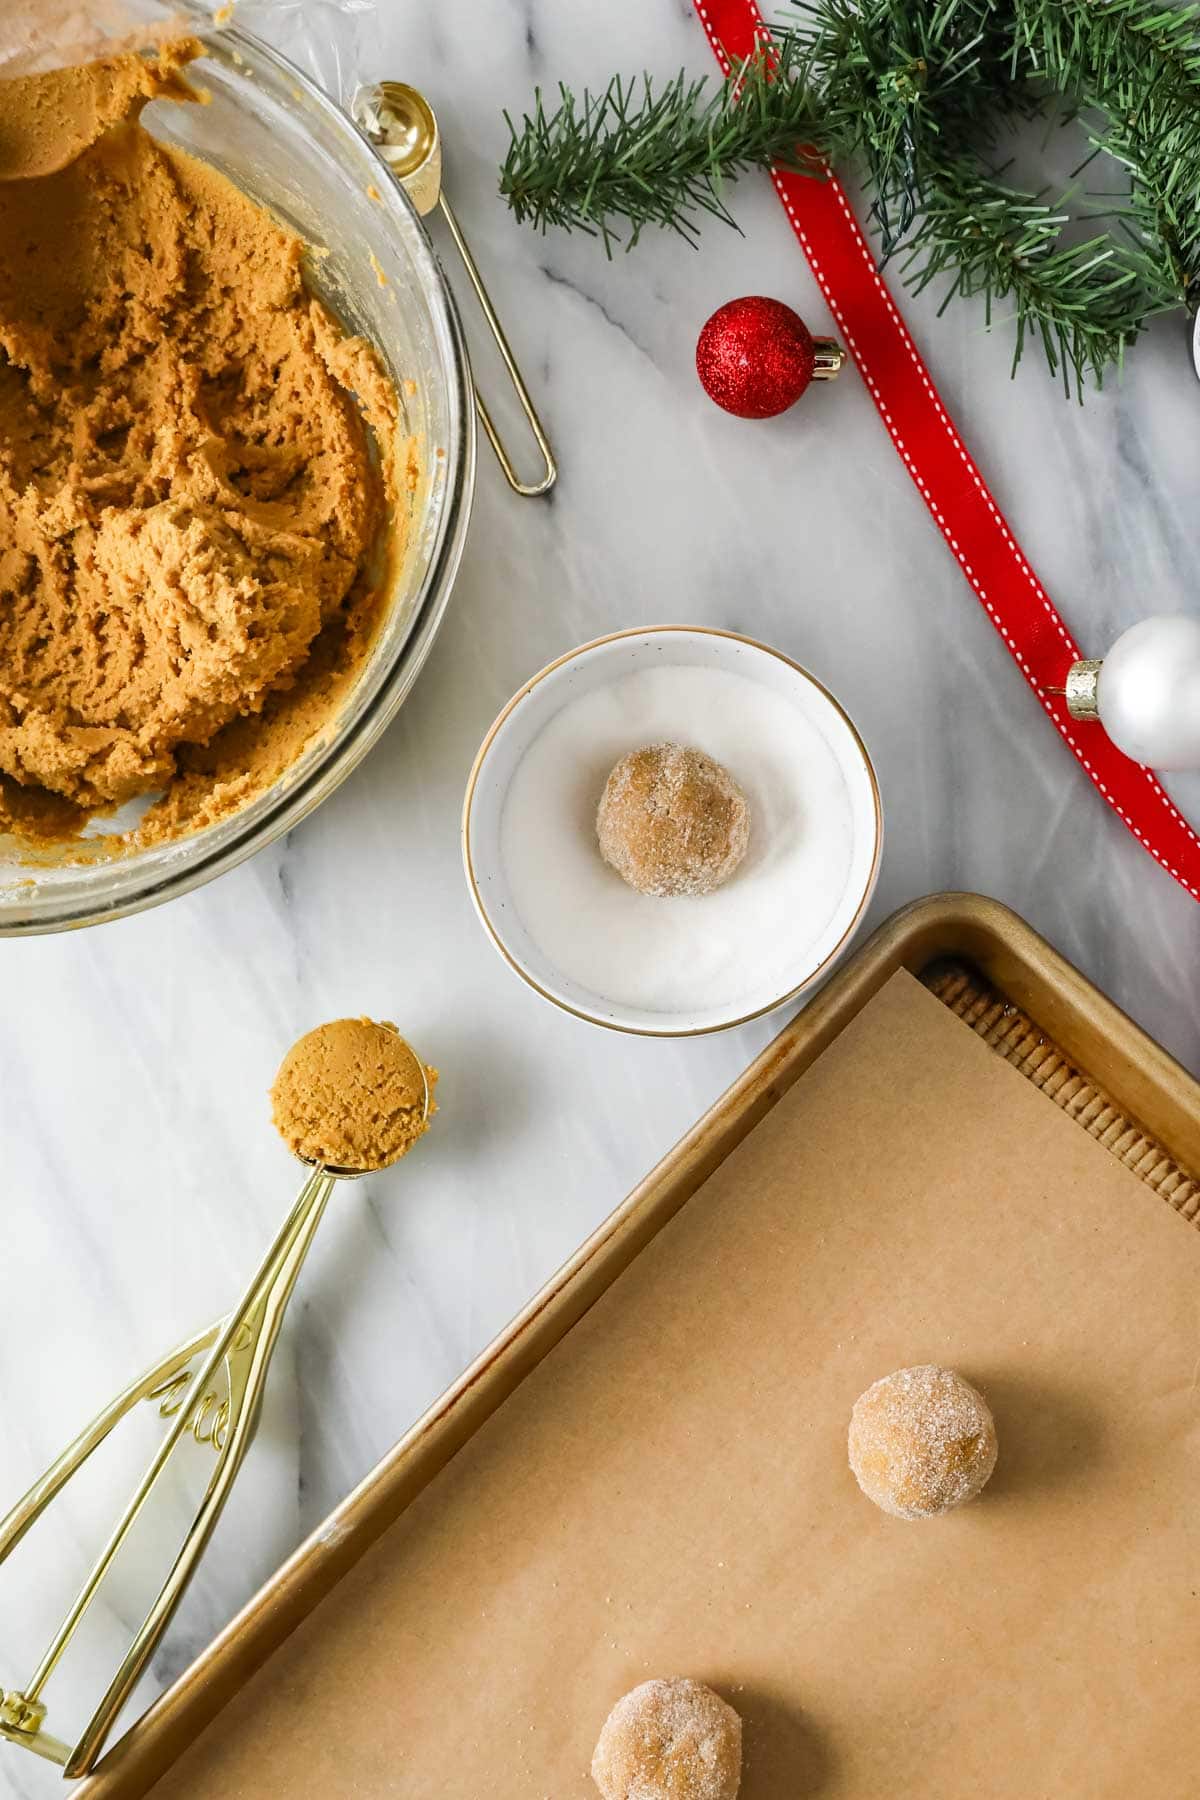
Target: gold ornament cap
{"points": [[1082, 688], [828, 358]]}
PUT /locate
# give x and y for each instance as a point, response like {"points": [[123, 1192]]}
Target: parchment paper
{"points": [[668, 1492]]}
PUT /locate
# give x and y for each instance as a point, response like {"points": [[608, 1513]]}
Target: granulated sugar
{"points": [[751, 940]]}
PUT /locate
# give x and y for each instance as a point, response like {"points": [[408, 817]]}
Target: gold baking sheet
{"points": [[666, 1490]]}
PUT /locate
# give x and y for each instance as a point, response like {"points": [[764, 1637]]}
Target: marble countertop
{"points": [[142, 1178]]}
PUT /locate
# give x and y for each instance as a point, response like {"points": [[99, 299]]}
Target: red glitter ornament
{"points": [[755, 357]]}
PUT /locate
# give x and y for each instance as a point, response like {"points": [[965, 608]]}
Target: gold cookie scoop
{"points": [[350, 1098], [403, 128]]}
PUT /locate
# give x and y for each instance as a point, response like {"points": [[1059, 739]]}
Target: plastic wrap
{"points": [[334, 41]]}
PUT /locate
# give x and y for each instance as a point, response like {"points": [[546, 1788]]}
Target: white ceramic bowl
{"points": [[489, 859]]}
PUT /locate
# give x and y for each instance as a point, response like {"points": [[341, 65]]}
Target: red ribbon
{"points": [[946, 476]]}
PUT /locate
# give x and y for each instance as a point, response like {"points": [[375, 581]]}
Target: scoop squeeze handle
{"points": [[243, 1343]]}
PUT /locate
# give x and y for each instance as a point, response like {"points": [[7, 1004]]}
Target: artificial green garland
{"points": [[916, 97]]}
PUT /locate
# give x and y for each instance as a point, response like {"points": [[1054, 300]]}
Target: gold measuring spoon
{"points": [[242, 1344], [401, 124]]}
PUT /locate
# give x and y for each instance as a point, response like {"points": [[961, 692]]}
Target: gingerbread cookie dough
{"points": [[670, 1740], [922, 1441], [352, 1095], [672, 821], [189, 505]]}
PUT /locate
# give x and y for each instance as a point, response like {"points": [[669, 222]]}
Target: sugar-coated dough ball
{"points": [[672, 821], [922, 1441], [669, 1740]]}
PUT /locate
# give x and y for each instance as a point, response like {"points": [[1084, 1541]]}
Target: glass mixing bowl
{"points": [[288, 146]]}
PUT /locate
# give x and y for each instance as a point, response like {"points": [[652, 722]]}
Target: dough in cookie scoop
{"points": [[352, 1095]]}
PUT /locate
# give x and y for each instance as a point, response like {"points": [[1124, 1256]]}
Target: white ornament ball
{"points": [[1148, 694]]}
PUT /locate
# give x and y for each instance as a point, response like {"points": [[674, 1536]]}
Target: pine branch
{"points": [[1082, 302], [1158, 215], [654, 155], [1123, 38], [917, 94], [1141, 105], [897, 82]]}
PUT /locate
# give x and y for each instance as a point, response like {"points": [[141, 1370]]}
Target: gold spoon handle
{"points": [[400, 122], [527, 490]]}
